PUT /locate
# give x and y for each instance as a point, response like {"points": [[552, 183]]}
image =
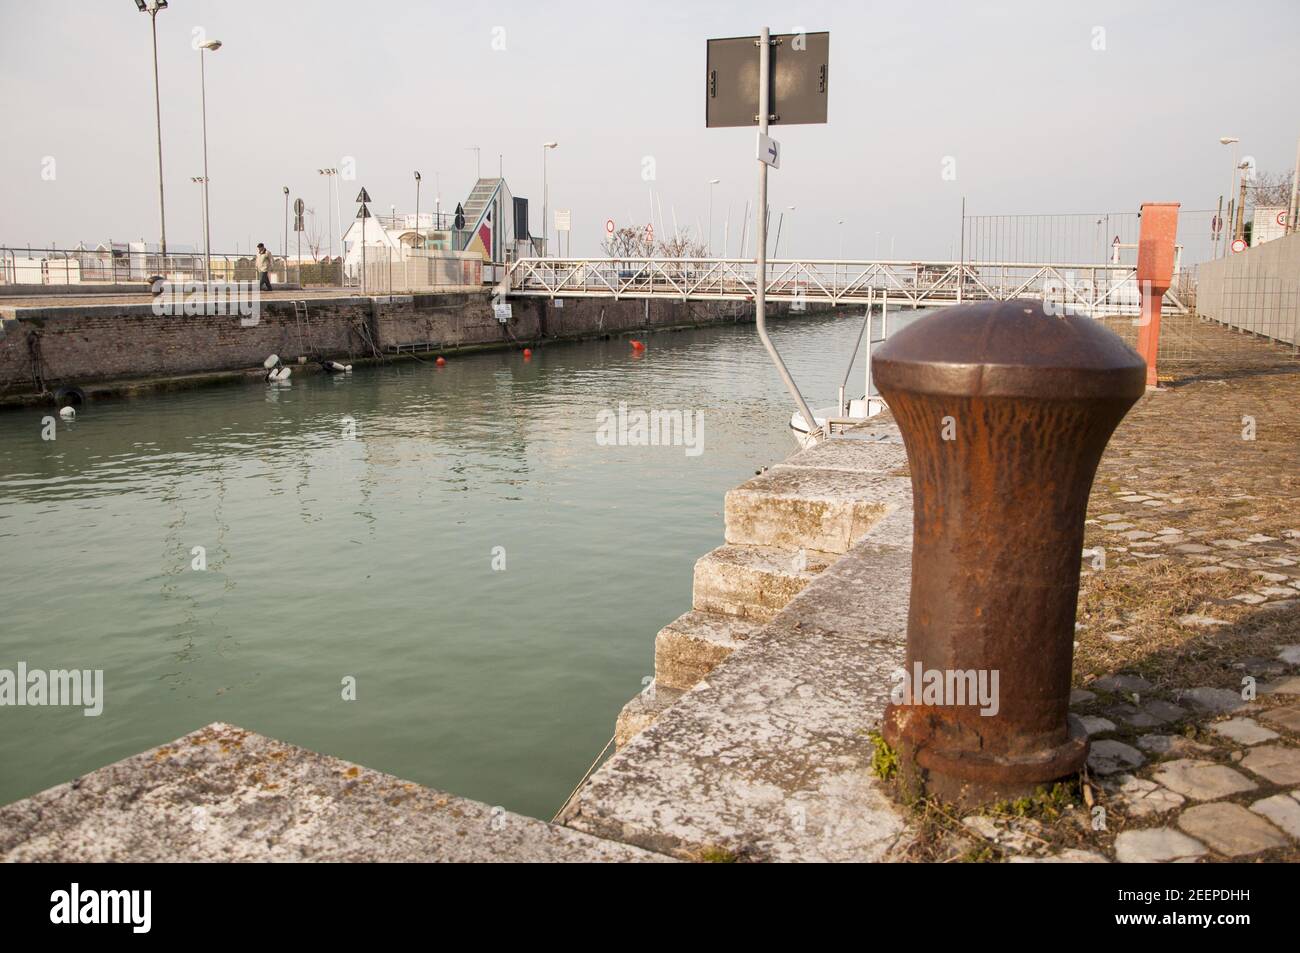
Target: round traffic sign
{"points": [[609, 226], [1281, 218], [1239, 244]]}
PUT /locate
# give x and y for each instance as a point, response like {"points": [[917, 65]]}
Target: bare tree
{"points": [[629, 242], [682, 245], [636, 242], [1271, 188], [313, 233]]}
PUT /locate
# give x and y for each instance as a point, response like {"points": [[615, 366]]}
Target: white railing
{"points": [[1095, 289]]}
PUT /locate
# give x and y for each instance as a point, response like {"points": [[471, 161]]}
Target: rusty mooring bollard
{"points": [[1005, 411]]}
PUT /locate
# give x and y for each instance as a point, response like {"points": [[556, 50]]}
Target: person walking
{"points": [[263, 268]]}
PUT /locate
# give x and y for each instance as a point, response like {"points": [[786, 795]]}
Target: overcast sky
{"points": [[1037, 118]]}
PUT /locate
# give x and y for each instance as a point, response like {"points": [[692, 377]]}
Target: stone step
{"points": [[823, 509], [641, 711], [690, 646], [753, 582], [868, 449]]}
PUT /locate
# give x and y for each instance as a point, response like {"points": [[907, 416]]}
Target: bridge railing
{"points": [[1093, 289]]}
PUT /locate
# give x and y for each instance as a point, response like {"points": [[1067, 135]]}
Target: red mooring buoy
{"points": [[528, 352], [441, 362], [638, 346]]}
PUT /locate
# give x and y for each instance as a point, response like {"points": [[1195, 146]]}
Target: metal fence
{"points": [[412, 270], [1087, 237], [85, 270]]}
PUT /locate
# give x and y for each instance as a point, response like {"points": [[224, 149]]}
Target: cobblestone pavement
{"points": [[1187, 664]]}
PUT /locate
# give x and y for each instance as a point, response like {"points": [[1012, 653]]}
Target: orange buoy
{"points": [[528, 352], [441, 362], [638, 346]]}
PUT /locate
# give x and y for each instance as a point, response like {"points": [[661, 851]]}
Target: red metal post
{"points": [[1155, 271]]}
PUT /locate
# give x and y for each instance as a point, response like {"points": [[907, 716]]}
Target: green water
{"points": [[372, 557]]}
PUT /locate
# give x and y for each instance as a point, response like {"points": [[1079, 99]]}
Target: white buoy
{"points": [[284, 373], [271, 361], [67, 413], [347, 368]]}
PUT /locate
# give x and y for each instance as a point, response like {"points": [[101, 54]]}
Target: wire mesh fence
{"points": [[86, 270], [1080, 238], [411, 270]]}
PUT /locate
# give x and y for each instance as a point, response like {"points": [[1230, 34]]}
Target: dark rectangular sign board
{"points": [[521, 219], [799, 80]]}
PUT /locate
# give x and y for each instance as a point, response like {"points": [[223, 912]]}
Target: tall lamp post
{"points": [[1232, 183], [418, 234], [286, 233], [1239, 230], [152, 7], [839, 228], [329, 209], [546, 195], [213, 46], [201, 181], [709, 244]]}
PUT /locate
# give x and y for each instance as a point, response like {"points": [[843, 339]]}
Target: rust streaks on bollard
{"points": [[1005, 411]]}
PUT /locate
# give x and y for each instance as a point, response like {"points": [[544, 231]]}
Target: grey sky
{"points": [[1037, 120]]}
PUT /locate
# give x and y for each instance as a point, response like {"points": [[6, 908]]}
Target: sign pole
{"points": [[760, 266]]}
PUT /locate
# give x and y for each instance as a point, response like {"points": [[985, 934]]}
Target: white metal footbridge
{"points": [[1095, 289]]}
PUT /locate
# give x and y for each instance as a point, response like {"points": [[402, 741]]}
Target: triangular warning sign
{"points": [[362, 196], [363, 212]]}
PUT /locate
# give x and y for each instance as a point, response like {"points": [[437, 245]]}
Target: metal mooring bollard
{"points": [[1005, 411]]}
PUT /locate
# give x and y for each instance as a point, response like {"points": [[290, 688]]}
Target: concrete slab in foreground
{"points": [[225, 794]]}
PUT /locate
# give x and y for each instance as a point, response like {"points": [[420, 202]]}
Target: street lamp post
{"points": [[712, 183], [286, 233], [1239, 230], [152, 7], [329, 209], [839, 228], [418, 234], [213, 46], [1232, 183], [203, 210], [546, 195]]}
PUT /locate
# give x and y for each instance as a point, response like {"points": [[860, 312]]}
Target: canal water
{"points": [[455, 540]]}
